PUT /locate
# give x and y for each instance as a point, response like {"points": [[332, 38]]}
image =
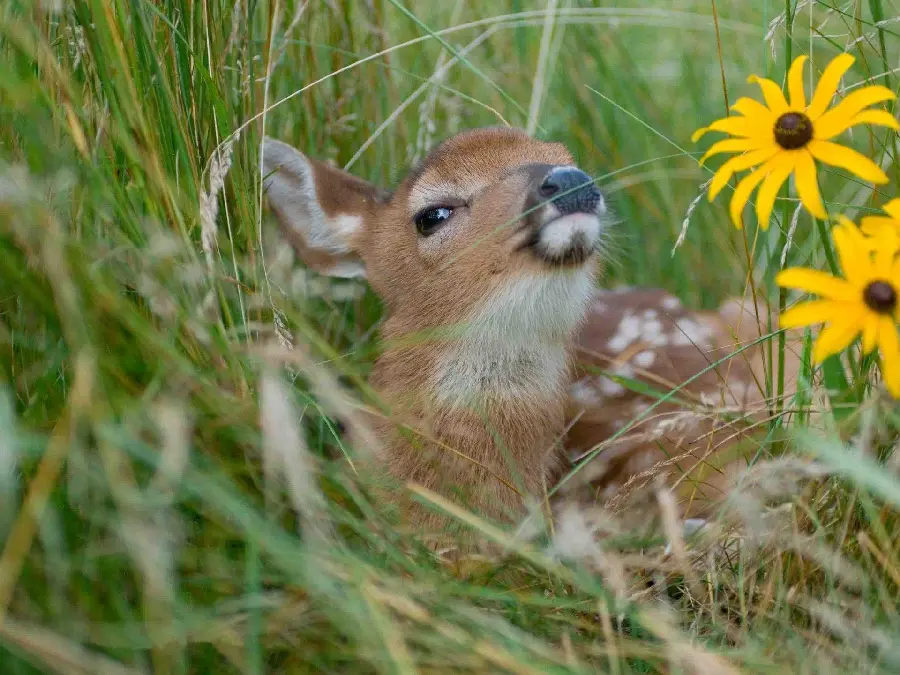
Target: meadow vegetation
{"points": [[174, 494]]}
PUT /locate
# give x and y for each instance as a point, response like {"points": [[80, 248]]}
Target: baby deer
{"points": [[485, 257]]}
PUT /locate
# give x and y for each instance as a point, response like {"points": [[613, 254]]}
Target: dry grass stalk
{"points": [[18, 543], [286, 454], [59, 653]]}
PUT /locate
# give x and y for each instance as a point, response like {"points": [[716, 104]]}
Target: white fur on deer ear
{"points": [[318, 207]]}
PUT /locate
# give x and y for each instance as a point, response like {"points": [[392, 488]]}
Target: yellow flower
{"points": [[864, 301], [785, 137], [874, 225]]}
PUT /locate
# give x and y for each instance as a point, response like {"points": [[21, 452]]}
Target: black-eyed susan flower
{"points": [[786, 136], [866, 300]]}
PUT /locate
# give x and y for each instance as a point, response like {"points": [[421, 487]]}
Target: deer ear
{"points": [[321, 210]]}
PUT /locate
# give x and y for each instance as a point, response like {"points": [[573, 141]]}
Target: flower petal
{"points": [[870, 332], [885, 239], [754, 110], [873, 225], [739, 163], [795, 83], [828, 85], [837, 336], [889, 345], [807, 183], [849, 159], [895, 282], [700, 133], [736, 125], [885, 250], [742, 195], [841, 117], [892, 208], [879, 118], [811, 312], [820, 283], [730, 145], [772, 93], [852, 252], [779, 170]]}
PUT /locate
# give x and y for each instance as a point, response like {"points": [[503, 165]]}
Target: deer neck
{"points": [[495, 392]]}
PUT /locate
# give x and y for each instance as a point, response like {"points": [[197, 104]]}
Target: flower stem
{"points": [[785, 225], [826, 246], [782, 301], [788, 30]]}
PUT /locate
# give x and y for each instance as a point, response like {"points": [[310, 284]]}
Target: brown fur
{"points": [[494, 452], [696, 443]]}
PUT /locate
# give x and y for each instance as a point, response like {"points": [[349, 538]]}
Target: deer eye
{"points": [[429, 220]]}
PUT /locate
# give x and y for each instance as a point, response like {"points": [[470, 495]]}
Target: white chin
{"points": [[567, 236]]}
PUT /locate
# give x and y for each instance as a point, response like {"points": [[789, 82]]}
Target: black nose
{"points": [[571, 190]]}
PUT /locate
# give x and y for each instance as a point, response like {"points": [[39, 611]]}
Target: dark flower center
{"points": [[880, 296], [793, 130]]}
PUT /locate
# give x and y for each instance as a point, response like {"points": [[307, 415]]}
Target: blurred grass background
{"points": [[140, 277]]}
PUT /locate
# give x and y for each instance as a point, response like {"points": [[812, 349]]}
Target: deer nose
{"points": [[571, 190]]}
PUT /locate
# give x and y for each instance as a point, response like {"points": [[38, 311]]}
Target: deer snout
{"points": [[569, 225], [571, 190]]}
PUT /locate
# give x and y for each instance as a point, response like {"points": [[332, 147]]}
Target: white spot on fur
{"points": [[514, 344], [623, 369], [652, 333], [609, 387], [671, 303], [646, 328], [639, 408], [628, 330], [558, 236], [691, 332], [584, 392], [644, 359]]}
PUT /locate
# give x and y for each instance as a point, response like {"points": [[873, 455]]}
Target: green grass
{"points": [[143, 527]]}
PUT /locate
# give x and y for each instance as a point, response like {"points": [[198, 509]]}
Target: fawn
{"points": [[485, 256]]}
